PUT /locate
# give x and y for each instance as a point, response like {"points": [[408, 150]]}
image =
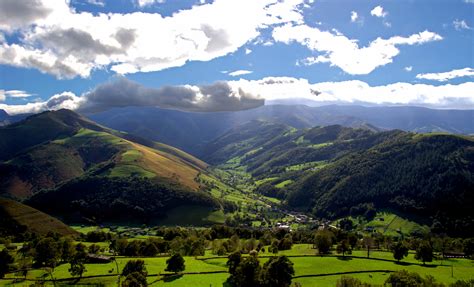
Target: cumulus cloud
{"points": [[358, 92], [345, 53], [121, 92], [239, 73], [461, 25], [57, 40], [408, 68], [378, 12], [446, 76], [15, 14], [65, 100]]}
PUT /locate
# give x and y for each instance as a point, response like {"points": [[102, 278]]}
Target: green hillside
{"points": [[335, 171], [16, 218], [89, 171]]}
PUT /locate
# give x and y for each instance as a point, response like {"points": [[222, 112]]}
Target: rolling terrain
{"points": [[335, 171], [192, 131], [65, 164]]}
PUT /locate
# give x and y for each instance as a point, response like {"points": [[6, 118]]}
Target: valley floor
{"points": [[310, 269]]}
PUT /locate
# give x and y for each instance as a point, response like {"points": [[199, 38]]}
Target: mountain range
{"points": [[192, 131]]}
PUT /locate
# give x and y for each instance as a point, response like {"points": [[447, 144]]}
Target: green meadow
{"points": [[310, 269]]}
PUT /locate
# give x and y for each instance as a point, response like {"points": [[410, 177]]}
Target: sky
{"points": [[225, 55]]}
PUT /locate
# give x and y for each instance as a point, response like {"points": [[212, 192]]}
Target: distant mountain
{"points": [[3, 115], [6, 119], [17, 218], [336, 171], [67, 165], [191, 131]]}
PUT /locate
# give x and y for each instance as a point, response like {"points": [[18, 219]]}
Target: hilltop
{"points": [[65, 164]]}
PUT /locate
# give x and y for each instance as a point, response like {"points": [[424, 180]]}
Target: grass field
{"points": [[391, 224], [302, 255]]}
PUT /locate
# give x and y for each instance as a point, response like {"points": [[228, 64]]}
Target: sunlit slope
{"points": [[18, 218], [51, 148]]}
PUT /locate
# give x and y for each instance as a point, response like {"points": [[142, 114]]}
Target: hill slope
{"points": [[16, 218], [78, 161], [334, 171]]}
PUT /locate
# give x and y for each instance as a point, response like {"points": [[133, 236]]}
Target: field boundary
{"points": [[335, 256], [342, 273]]}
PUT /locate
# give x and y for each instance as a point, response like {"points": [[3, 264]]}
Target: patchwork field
{"points": [[310, 269]]}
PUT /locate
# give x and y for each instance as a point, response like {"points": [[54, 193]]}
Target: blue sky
{"points": [[374, 52]]}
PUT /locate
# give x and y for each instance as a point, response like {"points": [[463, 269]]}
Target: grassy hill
{"points": [[335, 171], [63, 154], [18, 218]]}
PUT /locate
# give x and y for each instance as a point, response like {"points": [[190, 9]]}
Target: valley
{"points": [[264, 186]]}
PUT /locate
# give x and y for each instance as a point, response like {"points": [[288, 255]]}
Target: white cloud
{"points": [[245, 93], [408, 68], [378, 12], [65, 100], [247, 51], [345, 53], [219, 96], [56, 39], [144, 3], [469, 1], [357, 92], [446, 76], [16, 94], [239, 73], [460, 25], [354, 16]]}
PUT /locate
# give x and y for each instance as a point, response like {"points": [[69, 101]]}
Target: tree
{"points": [[323, 241], [347, 281], [278, 272], [368, 242], [67, 249], [346, 224], [135, 279], [404, 278], [344, 247], [247, 272], [5, 260], [94, 249], [175, 263], [77, 262], [424, 252], [399, 250], [135, 266], [47, 252], [274, 247], [468, 247], [233, 262]]}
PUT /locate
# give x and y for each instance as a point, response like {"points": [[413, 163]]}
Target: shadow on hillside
{"points": [[171, 278]]}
